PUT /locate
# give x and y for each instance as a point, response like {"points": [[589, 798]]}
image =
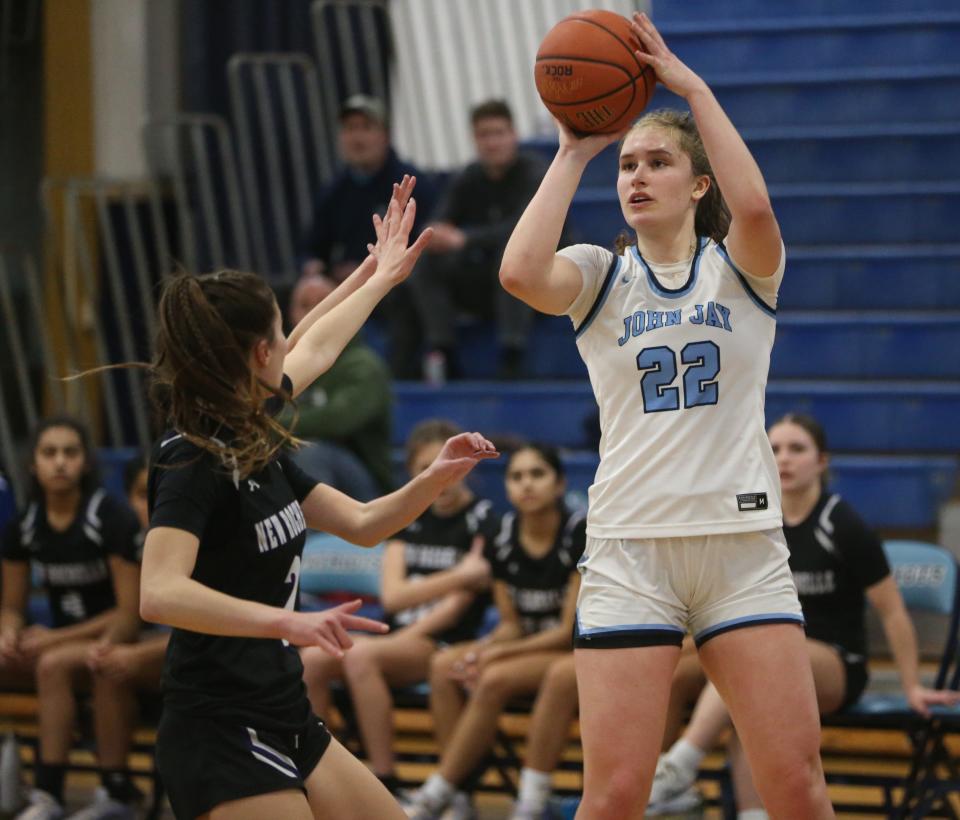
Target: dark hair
{"points": [[814, 429], [203, 384], [808, 423], [429, 431], [712, 217], [489, 109], [89, 479], [131, 470], [547, 452]]}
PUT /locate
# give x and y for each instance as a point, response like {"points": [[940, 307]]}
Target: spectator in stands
{"points": [[471, 227], [120, 672], [837, 562], [677, 542], [534, 558], [345, 414], [337, 240], [433, 588], [84, 543], [555, 709]]}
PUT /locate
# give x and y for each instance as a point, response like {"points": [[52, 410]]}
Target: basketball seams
{"points": [[613, 34]]}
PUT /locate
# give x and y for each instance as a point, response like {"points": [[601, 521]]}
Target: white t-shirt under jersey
{"points": [[678, 357]]}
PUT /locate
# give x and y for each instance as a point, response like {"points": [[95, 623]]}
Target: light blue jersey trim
{"points": [[770, 311], [749, 619], [612, 273], [686, 287]]}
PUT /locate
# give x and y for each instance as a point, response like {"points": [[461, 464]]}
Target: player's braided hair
{"points": [[712, 217], [202, 381]]}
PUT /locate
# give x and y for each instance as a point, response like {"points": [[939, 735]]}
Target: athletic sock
{"points": [[535, 788], [49, 779], [119, 786], [437, 790], [752, 814], [686, 757]]}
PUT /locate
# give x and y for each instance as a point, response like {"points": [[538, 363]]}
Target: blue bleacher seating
{"points": [[666, 13], [876, 416], [815, 214], [766, 43], [825, 153]]}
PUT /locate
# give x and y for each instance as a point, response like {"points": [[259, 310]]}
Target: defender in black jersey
{"points": [[221, 561], [434, 583], [838, 563], [81, 545], [534, 559]]}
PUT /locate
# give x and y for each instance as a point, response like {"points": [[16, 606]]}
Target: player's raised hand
{"points": [[671, 70], [460, 455], [330, 629], [395, 259]]}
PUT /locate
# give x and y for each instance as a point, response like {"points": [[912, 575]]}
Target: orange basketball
{"points": [[587, 74]]}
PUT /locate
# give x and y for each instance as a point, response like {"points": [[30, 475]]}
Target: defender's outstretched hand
{"points": [[460, 455], [394, 258]]}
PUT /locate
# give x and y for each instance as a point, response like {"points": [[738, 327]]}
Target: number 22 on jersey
{"points": [[659, 367]]}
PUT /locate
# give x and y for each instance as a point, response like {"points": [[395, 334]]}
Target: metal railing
{"points": [[195, 153], [275, 99]]}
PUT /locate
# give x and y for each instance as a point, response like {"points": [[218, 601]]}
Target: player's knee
{"points": [[54, 665], [617, 797], [560, 681], [495, 685], [360, 659], [799, 779], [441, 666]]}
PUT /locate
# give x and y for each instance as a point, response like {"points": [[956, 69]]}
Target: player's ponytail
{"points": [[713, 217], [203, 384]]}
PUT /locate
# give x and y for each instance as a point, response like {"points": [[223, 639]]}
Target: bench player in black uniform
{"points": [[434, 583], [229, 511], [82, 543], [838, 564], [534, 558]]}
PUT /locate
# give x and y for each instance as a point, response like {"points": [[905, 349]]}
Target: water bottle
{"points": [[11, 791]]}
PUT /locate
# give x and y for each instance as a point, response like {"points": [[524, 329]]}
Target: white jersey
{"points": [[678, 358]]}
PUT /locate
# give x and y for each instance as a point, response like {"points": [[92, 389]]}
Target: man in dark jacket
{"points": [[337, 240], [472, 224]]}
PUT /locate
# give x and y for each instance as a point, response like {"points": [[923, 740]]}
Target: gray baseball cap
{"points": [[365, 104]]}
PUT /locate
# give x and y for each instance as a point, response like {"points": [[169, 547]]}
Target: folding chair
{"points": [[928, 579]]}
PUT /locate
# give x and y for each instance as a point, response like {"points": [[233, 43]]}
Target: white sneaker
{"points": [[673, 790], [419, 807], [41, 806], [461, 808], [527, 811], [104, 807]]}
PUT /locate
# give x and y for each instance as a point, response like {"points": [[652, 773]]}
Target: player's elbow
{"points": [[154, 603], [515, 279]]}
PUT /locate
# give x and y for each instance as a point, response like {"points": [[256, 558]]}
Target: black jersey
{"points": [[433, 543], [72, 565], [834, 557], [252, 533], [538, 586]]}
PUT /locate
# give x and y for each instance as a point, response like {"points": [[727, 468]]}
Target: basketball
{"points": [[588, 76]]}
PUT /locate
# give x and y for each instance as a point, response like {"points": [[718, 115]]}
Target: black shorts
{"points": [[204, 762], [856, 675]]}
